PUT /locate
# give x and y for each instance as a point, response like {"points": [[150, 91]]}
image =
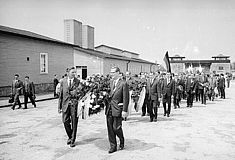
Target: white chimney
{"points": [[73, 32], [87, 37]]}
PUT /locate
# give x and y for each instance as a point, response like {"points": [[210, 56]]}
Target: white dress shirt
{"points": [[69, 81]]}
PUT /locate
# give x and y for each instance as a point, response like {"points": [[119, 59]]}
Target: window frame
{"points": [[220, 68], [43, 64]]}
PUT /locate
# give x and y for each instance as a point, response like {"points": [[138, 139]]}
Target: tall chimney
{"points": [[73, 32], [87, 37]]}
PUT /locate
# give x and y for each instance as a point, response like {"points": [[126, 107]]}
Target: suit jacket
{"points": [[190, 85], [178, 83], [212, 82], [167, 89], [30, 88], [119, 98], [16, 87], [55, 81], [68, 95], [153, 89], [221, 82]]}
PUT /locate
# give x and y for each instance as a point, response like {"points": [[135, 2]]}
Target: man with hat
{"points": [[116, 109]]}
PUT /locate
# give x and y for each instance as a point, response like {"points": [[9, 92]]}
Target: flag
{"points": [[167, 61]]}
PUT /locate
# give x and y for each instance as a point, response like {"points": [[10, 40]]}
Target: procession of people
{"points": [[121, 94]]}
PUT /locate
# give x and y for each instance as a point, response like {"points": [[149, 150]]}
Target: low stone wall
{"points": [[5, 91]]}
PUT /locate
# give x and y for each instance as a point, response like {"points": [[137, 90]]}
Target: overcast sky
{"points": [[196, 29]]}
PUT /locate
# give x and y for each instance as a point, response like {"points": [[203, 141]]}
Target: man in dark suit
{"points": [[55, 82], [179, 83], [153, 92], [167, 90], [16, 88], [29, 92], [68, 103], [116, 109], [190, 88], [221, 85]]}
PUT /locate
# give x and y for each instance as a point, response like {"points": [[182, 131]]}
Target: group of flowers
{"points": [[95, 89]]}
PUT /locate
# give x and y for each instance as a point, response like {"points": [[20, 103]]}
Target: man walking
{"points": [[55, 82], [167, 90], [116, 109], [178, 91], [16, 88], [221, 85], [29, 92], [190, 88], [68, 103], [153, 91]]}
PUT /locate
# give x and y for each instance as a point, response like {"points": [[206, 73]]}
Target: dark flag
{"points": [[167, 61]]}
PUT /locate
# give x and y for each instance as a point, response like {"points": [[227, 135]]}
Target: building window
{"points": [[43, 63], [221, 68]]}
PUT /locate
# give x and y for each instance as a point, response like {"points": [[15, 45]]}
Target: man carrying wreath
{"points": [[68, 104], [117, 107]]}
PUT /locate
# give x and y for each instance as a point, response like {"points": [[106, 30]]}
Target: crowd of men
{"points": [[117, 91], [167, 87]]}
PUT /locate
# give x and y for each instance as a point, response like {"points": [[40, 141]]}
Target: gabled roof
{"points": [[102, 45], [112, 56], [32, 35], [115, 49], [29, 34], [131, 52]]}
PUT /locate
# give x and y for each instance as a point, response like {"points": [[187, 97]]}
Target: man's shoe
{"points": [[168, 115], [19, 107], [13, 108], [121, 147], [155, 119], [72, 144], [69, 141], [25, 108], [151, 120], [35, 106], [112, 150], [164, 114]]}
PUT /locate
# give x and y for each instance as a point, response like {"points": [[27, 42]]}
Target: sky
{"points": [[196, 29]]}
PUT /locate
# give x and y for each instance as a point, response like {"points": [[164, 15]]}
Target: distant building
{"points": [[41, 57], [219, 64]]}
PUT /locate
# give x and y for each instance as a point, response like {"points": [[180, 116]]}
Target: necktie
{"points": [[114, 82], [70, 83], [27, 86]]}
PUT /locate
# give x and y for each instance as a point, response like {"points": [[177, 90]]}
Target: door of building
{"points": [[84, 73], [81, 71]]}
